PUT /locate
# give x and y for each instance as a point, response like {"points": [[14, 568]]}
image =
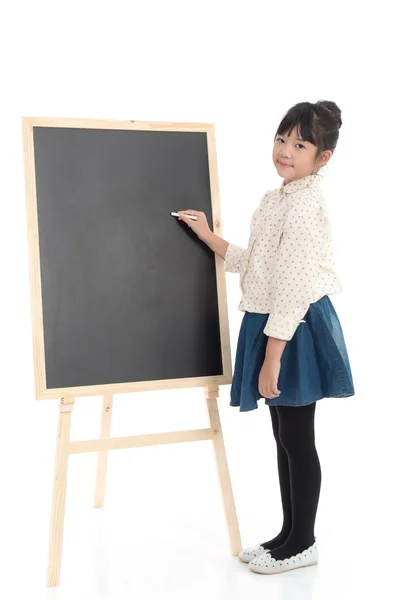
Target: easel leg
{"points": [[103, 455], [59, 492], [211, 393]]}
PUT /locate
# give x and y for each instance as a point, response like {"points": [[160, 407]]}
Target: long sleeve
{"points": [[296, 269], [234, 258]]}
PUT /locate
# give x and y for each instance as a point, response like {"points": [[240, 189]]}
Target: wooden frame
{"points": [[41, 391], [65, 446]]}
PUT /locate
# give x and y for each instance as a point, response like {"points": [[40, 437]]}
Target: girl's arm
{"points": [[275, 348], [232, 254], [295, 270], [216, 243]]}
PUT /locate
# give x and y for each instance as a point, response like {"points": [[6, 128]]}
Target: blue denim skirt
{"points": [[314, 363]]}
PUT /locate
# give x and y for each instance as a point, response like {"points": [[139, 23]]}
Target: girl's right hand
{"points": [[200, 227]]}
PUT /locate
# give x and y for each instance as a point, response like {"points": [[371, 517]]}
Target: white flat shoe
{"points": [[249, 554], [267, 565]]}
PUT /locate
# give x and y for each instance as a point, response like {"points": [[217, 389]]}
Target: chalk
{"points": [[193, 217]]}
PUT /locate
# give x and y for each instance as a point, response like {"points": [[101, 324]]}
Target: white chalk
{"points": [[193, 217]]}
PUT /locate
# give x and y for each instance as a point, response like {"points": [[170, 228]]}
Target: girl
{"points": [[290, 330]]}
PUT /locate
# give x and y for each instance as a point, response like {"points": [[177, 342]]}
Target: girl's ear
{"points": [[325, 157]]}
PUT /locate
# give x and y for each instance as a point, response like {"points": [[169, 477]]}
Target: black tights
{"points": [[299, 477]]}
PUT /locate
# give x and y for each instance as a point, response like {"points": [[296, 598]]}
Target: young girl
{"points": [[291, 349]]}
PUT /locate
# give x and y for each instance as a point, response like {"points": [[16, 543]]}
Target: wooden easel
{"points": [[210, 383], [65, 447]]}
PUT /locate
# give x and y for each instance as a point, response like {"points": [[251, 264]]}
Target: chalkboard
{"points": [[128, 294]]}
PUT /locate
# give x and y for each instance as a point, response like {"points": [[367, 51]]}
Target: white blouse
{"points": [[288, 263]]}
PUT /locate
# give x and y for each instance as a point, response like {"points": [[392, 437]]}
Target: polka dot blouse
{"points": [[288, 263]]}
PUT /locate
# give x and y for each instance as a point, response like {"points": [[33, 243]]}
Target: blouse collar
{"points": [[300, 184]]}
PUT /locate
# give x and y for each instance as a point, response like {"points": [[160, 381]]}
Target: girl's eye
{"points": [[277, 139]]}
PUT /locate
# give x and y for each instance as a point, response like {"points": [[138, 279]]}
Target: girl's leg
{"points": [[284, 483], [296, 431]]}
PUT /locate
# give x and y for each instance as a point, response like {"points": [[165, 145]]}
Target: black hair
{"points": [[318, 123]]}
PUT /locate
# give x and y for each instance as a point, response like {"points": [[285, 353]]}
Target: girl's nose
{"points": [[285, 152]]}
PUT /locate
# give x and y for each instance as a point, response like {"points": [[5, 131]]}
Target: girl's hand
{"points": [[268, 378], [200, 227]]}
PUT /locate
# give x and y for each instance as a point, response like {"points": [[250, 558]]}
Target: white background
{"points": [[240, 65]]}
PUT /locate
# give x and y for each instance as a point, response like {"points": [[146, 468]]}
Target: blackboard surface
{"points": [[129, 293]]}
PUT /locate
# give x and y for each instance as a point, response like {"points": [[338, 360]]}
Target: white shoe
{"points": [[248, 554], [267, 565]]}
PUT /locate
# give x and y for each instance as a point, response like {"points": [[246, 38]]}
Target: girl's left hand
{"points": [[268, 378]]}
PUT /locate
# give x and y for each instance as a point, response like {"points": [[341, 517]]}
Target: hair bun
{"points": [[332, 109]]}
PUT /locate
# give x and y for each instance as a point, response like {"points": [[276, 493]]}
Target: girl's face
{"points": [[294, 158]]}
